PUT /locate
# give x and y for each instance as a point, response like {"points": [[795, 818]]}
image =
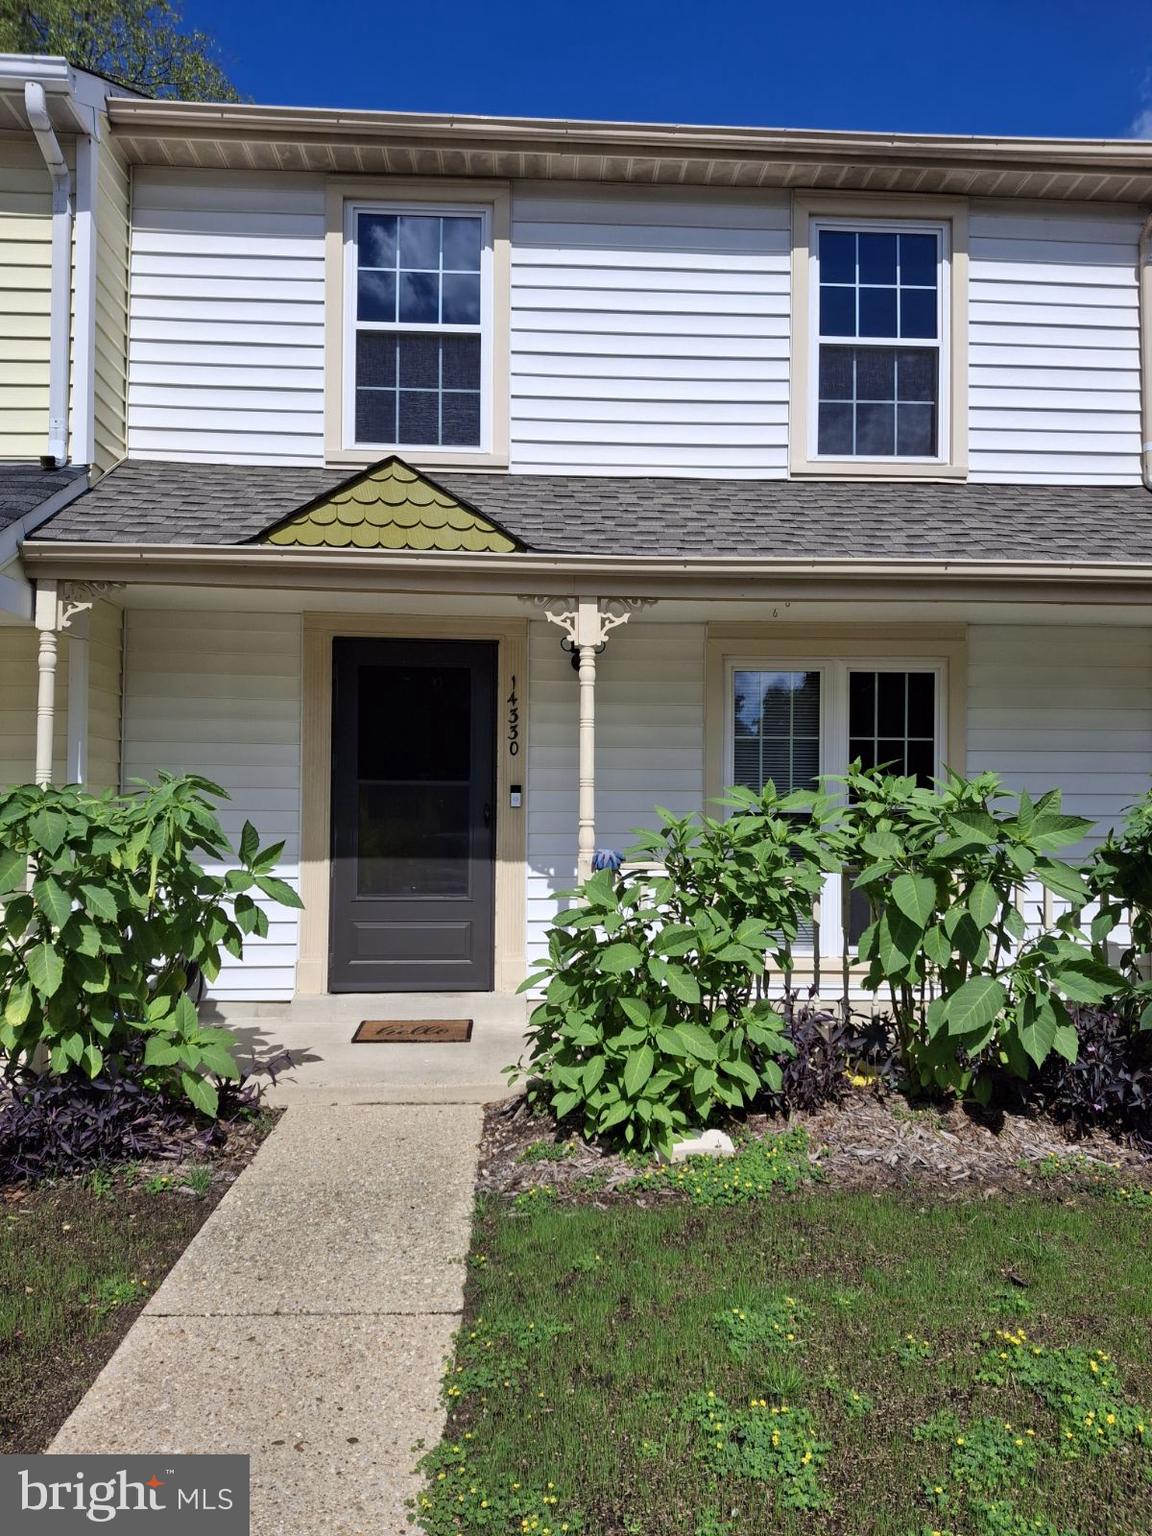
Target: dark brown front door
{"points": [[413, 815]]}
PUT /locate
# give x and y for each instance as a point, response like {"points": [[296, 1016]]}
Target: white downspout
{"points": [[60, 341], [1144, 275]]}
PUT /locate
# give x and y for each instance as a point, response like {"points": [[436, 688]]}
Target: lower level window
{"points": [[892, 722], [793, 724]]}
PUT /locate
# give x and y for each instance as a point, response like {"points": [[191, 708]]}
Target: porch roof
{"points": [[25, 487], [145, 502]]}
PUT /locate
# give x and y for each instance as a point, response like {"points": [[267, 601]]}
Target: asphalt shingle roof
{"points": [[217, 504], [23, 487]]}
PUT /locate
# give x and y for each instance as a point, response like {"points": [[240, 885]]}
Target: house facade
{"points": [[468, 487]]}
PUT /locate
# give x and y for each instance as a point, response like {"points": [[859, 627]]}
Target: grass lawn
{"points": [[78, 1260], [593, 1336]]}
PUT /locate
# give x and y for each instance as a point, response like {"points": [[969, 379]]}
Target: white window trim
{"points": [[417, 195], [352, 326], [858, 210], [834, 673], [941, 344]]}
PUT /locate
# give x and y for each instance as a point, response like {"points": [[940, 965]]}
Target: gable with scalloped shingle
{"points": [[390, 506]]}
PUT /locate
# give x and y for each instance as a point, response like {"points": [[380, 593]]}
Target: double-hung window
{"points": [[794, 720], [418, 327], [879, 337]]}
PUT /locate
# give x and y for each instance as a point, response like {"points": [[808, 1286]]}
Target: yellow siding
{"points": [[25, 283], [104, 669], [112, 227], [18, 648]]}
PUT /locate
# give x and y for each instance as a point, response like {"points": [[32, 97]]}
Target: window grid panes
{"points": [[418, 329], [892, 722], [876, 288], [777, 729]]}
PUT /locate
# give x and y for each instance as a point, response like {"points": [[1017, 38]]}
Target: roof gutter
{"points": [[225, 120], [549, 575], [36, 106]]}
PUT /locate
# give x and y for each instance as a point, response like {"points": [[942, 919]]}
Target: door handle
{"points": [[487, 813]]}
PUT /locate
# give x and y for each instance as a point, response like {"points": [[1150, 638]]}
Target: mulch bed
{"points": [[869, 1141], [119, 1226]]}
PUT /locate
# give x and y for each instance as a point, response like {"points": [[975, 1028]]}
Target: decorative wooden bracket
{"points": [[76, 597]]}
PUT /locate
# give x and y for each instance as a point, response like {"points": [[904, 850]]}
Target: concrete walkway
{"points": [[307, 1323], [330, 1068]]}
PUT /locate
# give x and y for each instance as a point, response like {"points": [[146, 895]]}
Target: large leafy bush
{"points": [[653, 1017], [968, 980], [1120, 876], [108, 917]]}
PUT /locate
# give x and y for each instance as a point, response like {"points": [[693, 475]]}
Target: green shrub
{"points": [[947, 943], [108, 917], [653, 1017], [1120, 877]]}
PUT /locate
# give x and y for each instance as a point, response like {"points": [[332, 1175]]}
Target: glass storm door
{"points": [[413, 816]]}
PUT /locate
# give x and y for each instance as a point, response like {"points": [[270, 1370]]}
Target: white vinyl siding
{"points": [[649, 332], [1067, 707], [649, 748], [219, 694], [226, 329], [113, 194], [105, 657], [1054, 365], [1062, 707]]}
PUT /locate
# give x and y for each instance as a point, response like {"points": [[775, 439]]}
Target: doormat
{"points": [[413, 1032]]}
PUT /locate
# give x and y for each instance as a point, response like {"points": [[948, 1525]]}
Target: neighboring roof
{"points": [[389, 506], [24, 487], [72, 94], [149, 502], [248, 136]]}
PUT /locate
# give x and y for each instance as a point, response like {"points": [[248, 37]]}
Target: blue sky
{"points": [[1081, 68]]}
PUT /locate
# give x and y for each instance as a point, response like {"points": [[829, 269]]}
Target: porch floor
{"points": [[329, 1068]]}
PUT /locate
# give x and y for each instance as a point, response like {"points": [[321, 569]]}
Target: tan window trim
{"points": [[495, 195], [320, 629], [809, 206]]}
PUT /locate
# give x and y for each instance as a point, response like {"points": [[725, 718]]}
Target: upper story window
{"points": [[880, 339], [879, 336], [418, 336]]}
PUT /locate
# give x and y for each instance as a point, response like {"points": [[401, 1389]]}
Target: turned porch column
{"points": [[47, 619], [587, 622]]}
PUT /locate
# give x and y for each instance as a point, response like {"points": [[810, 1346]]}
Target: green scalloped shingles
{"points": [[391, 508]]}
